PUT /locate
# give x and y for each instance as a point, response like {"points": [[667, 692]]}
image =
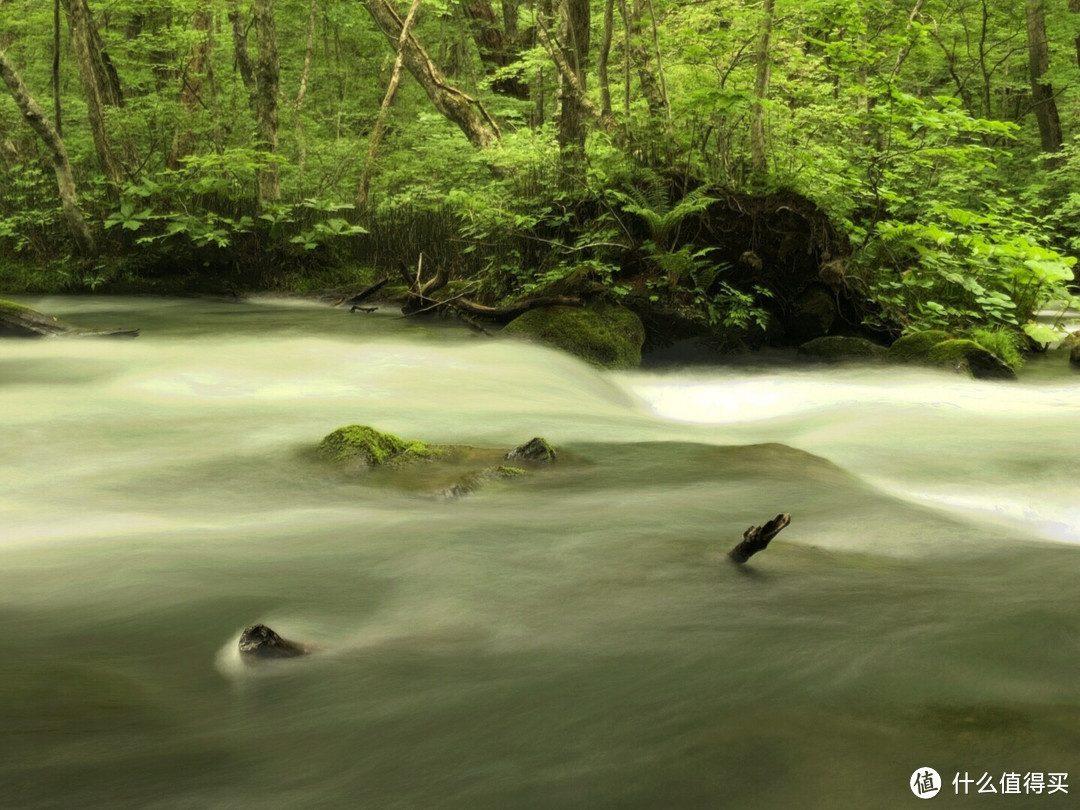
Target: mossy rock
{"points": [[837, 348], [359, 446], [915, 348], [606, 335], [967, 355]]}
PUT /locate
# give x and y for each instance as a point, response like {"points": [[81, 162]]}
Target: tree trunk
{"points": [[650, 86], [305, 75], [241, 57], [1042, 93], [497, 49], [57, 118], [1074, 7], [576, 15], [384, 109], [605, 53], [569, 78], [198, 67], [761, 88], [468, 113], [65, 181], [99, 81], [266, 100]]}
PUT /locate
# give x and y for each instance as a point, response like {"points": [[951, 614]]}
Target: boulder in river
{"points": [[837, 348], [260, 642], [915, 348], [535, 450], [360, 446], [606, 335], [967, 355], [19, 321]]}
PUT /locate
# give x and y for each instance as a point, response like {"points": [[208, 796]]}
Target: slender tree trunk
{"points": [[57, 117], [571, 83], [99, 81], [761, 88], [266, 99], [191, 88], [605, 53], [65, 181], [573, 110], [241, 57], [468, 113], [1074, 7], [627, 33], [650, 86], [384, 109], [1042, 93], [305, 75]]}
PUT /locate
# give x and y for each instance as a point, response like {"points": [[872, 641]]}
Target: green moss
{"points": [[11, 306], [967, 355], [363, 445], [915, 348], [507, 471], [841, 348], [1003, 343], [606, 335]]}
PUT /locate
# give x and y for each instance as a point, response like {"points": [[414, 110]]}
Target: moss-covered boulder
{"points": [[360, 446], [837, 348], [606, 335], [969, 356], [453, 470], [915, 348]]}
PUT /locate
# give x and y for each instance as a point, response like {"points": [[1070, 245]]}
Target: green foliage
{"points": [[963, 270]]}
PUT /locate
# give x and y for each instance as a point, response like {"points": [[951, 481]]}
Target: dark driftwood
{"points": [[364, 295], [259, 641], [420, 291], [511, 311], [756, 538], [474, 324]]}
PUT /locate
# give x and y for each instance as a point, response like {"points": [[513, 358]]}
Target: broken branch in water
{"points": [[756, 538]]}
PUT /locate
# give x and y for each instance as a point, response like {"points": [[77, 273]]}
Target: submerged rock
{"points": [[536, 450], [606, 335], [360, 446], [260, 642], [967, 355], [837, 347], [474, 481]]}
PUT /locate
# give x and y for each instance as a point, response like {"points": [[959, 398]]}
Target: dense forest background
{"points": [[919, 159]]}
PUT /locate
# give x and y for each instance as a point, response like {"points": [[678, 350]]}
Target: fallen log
{"points": [[363, 295], [19, 321], [756, 538], [511, 311]]}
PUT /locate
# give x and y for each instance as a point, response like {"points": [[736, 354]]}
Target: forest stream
{"points": [[574, 638]]}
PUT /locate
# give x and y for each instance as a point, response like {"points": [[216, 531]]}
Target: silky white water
{"points": [[571, 639]]}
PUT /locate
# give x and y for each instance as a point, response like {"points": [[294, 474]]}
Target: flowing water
{"points": [[575, 638]]}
